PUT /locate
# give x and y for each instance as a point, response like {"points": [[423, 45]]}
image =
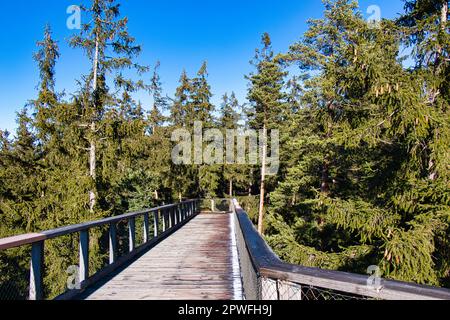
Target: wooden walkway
{"points": [[198, 262]]}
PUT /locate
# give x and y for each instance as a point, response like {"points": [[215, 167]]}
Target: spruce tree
{"points": [[160, 103], [234, 174], [363, 120], [181, 110], [268, 101], [110, 49]]}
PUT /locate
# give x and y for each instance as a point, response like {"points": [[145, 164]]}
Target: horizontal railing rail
{"points": [[171, 216], [266, 277]]}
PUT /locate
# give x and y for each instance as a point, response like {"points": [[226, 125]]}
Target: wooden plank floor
{"points": [[198, 262]]}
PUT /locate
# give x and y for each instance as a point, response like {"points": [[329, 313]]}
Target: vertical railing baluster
{"points": [[112, 243], [132, 233], [187, 210], [163, 218], [171, 222], [156, 224], [146, 228], [174, 214], [167, 215], [84, 255], [36, 271], [182, 211]]}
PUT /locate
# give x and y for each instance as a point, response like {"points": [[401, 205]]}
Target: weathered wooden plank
{"points": [[17, 241], [195, 263]]}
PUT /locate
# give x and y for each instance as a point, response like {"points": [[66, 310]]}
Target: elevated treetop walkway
{"points": [[188, 253]]}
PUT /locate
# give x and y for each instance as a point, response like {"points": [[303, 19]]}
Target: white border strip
{"points": [[237, 280]]}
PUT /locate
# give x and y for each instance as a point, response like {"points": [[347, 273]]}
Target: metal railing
{"points": [[165, 220], [266, 277]]}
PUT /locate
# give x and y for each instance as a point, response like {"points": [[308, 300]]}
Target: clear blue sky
{"points": [[179, 33]]}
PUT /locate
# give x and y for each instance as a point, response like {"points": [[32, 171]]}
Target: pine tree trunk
{"points": [[156, 195], [263, 183], [231, 188], [443, 23], [444, 15], [93, 147], [92, 170], [433, 174]]}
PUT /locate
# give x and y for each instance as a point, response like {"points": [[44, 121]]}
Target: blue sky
{"points": [[179, 33]]}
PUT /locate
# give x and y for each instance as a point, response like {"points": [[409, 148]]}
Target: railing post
{"points": [[36, 271], [171, 221], [180, 212], [156, 224], [84, 255], [174, 216], [146, 228], [112, 243], [132, 233], [163, 214]]}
